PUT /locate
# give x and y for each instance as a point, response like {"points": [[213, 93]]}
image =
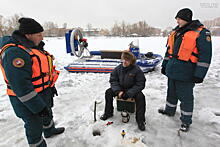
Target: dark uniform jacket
{"points": [[186, 70], [20, 78], [130, 79]]}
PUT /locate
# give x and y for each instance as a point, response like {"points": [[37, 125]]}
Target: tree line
{"points": [[139, 29], [122, 29], [51, 29], [8, 25], [213, 25]]}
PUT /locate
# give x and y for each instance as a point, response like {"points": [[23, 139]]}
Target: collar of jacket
{"points": [[22, 40], [191, 26], [127, 68]]}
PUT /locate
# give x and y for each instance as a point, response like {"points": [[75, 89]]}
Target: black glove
{"points": [[197, 80], [117, 92], [54, 91], [44, 112], [124, 96], [163, 70], [85, 44]]}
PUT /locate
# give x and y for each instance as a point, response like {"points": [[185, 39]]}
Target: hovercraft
{"points": [[103, 61]]}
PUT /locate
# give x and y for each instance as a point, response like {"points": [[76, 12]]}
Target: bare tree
{"points": [[7, 26], [1, 25], [104, 32], [12, 23], [123, 29], [89, 26], [140, 28], [65, 25], [50, 25], [50, 28], [116, 30]]}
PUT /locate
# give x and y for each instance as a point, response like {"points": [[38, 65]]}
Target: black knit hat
{"points": [[185, 14], [29, 26]]}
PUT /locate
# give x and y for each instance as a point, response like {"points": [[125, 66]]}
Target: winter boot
{"points": [[164, 112], [184, 128], [106, 116], [54, 131], [141, 126]]}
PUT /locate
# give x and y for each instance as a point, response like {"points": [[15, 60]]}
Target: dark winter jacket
{"points": [[130, 79], [186, 70], [20, 79]]}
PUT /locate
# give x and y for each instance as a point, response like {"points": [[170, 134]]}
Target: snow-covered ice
{"points": [[78, 91]]}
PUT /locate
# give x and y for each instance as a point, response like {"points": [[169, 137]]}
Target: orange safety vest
{"points": [[44, 74], [188, 50]]}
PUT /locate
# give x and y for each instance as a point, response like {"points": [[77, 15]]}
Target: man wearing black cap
{"points": [[30, 77], [186, 62]]}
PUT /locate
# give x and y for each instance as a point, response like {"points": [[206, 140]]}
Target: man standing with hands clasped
{"points": [[186, 62], [30, 76]]}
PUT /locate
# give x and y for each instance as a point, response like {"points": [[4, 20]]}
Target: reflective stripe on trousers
{"points": [[49, 126], [37, 144], [186, 113], [170, 105]]}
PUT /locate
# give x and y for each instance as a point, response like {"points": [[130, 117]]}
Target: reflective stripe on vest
{"points": [[41, 75], [188, 50]]}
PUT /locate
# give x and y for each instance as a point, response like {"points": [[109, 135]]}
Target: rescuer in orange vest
{"points": [[30, 76], [186, 62]]}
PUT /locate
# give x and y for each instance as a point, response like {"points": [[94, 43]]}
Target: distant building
{"points": [[134, 35], [215, 30], [91, 32], [55, 32]]}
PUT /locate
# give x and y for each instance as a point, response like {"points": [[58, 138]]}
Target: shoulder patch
{"points": [[207, 33], [208, 38], [18, 62]]}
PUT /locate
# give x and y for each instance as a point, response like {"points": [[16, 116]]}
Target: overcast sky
{"points": [[104, 13]]}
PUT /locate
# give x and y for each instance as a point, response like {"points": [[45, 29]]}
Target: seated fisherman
{"points": [[127, 81]]}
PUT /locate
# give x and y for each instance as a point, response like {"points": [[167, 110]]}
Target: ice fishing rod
{"points": [[95, 112]]}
